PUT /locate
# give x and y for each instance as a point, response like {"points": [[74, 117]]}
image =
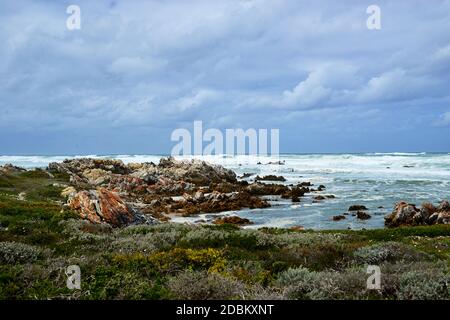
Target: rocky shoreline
{"points": [[118, 223], [109, 191], [112, 192]]}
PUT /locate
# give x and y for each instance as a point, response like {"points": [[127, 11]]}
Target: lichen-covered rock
{"points": [[101, 205], [78, 166], [68, 192], [195, 171], [408, 214], [403, 214]]}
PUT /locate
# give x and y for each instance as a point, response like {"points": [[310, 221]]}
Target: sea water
{"points": [[376, 180]]}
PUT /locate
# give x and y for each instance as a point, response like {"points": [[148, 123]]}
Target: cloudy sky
{"points": [[137, 70]]}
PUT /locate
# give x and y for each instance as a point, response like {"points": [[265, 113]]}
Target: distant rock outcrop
{"points": [[406, 214]]}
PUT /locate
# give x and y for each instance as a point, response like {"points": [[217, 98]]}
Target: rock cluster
{"points": [[406, 214], [105, 190], [9, 168]]}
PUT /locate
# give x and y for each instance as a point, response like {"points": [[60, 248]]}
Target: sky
{"points": [[138, 70]]}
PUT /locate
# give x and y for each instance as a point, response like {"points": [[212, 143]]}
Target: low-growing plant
{"points": [[387, 251], [201, 285], [424, 285], [16, 252]]}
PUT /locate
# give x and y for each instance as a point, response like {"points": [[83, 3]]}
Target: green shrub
{"points": [[16, 252], [387, 251], [424, 285], [191, 285]]}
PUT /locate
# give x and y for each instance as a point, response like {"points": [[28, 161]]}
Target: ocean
{"points": [[376, 180]]}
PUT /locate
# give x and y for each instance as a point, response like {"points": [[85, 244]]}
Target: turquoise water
{"points": [[376, 180]]}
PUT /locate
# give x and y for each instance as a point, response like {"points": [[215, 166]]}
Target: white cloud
{"points": [[135, 65]]}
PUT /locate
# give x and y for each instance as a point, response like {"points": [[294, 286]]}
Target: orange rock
{"points": [[102, 205]]}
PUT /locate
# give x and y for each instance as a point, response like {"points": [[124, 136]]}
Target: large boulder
{"points": [[102, 205], [195, 171], [406, 214], [403, 214]]}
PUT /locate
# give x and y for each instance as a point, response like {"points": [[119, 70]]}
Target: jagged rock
{"points": [[101, 205], [363, 215], [404, 214], [443, 206], [217, 202], [78, 166], [357, 207], [9, 168], [232, 220], [305, 184], [195, 171], [96, 177], [338, 217], [270, 177], [268, 189], [407, 214], [68, 192]]}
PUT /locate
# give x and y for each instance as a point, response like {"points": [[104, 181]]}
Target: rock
{"points": [[357, 207], [232, 220], [404, 214], [262, 189], [321, 188], [9, 168], [363, 215], [78, 166], [270, 177], [96, 177], [297, 228], [444, 206], [319, 198], [246, 175], [295, 199], [101, 205], [199, 196], [338, 218], [440, 218], [195, 171], [277, 162], [68, 192]]}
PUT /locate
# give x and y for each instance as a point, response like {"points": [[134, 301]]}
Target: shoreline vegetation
{"points": [[113, 221]]}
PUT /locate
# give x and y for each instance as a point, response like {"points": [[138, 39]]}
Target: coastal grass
{"points": [[38, 240]]}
